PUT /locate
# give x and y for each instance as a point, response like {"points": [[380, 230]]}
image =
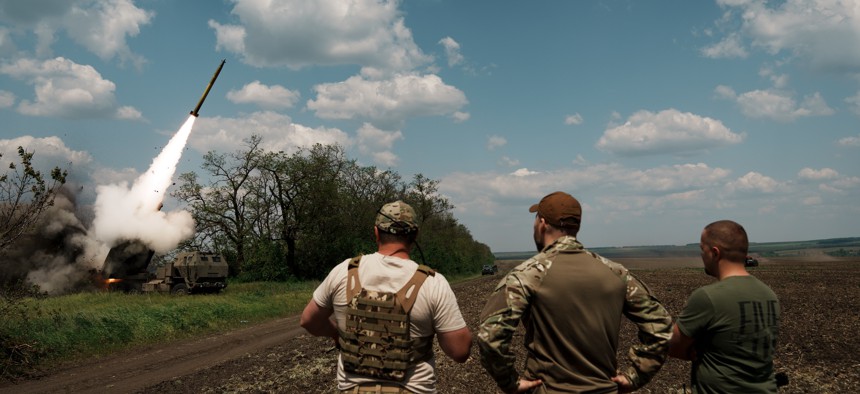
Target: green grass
{"points": [[81, 325]]}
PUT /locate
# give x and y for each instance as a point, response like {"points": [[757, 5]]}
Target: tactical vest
{"points": [[376, 341]]}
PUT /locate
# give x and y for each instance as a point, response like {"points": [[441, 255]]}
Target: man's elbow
{"points": [[462, 356], [457, 345], [307, 320]]}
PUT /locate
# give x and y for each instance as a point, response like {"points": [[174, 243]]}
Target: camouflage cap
{"points": [[559, 209], [396, 218]]}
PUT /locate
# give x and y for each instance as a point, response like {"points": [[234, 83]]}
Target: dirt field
{"points": [[818, 347]]}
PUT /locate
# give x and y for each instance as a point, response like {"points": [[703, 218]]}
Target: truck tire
{"points": [[179, 289]]}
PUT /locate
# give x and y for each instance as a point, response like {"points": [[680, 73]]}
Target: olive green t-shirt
{"points": [[735, 323]]}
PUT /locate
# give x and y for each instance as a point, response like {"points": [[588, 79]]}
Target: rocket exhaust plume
{"points": [[133, 214]]}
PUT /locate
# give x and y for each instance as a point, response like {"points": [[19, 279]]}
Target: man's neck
{"points": [[729, 269], [395, 250]]}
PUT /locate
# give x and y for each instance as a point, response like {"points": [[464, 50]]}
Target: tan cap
{"points": [[559, 209], [396, 218]]}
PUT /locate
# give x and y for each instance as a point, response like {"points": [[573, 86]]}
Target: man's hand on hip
{"points": [[524, 385]]}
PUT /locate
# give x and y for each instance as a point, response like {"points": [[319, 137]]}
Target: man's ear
{"points": [[376, 233]]}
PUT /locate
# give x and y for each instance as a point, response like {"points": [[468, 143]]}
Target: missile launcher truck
{"points": [[190, 272], [128, 268]]}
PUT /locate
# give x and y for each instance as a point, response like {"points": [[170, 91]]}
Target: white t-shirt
{"points": [[435, 310]]}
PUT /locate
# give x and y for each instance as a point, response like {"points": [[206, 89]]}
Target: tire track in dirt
{"points": [[131, 371]]}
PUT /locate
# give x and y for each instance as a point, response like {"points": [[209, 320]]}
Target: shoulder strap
{"points": [[409, 293], [353, 286]]}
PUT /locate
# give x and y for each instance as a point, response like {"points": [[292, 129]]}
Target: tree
{"points": [[281, 215], [221, 210], [24, 195]]}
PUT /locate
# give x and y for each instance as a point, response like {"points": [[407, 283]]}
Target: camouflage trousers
{"points": [[377, 388]]}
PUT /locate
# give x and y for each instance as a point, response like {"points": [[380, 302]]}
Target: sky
{"points": [[659, 116]]}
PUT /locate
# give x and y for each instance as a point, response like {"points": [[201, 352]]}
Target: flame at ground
{"points": [[123, 213]]}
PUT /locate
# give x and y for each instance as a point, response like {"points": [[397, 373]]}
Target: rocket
{"points": [[206, 92]]}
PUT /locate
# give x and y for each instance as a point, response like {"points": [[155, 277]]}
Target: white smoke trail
{"points": [[133, 214]]}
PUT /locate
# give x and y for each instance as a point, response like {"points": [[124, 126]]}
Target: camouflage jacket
{"points": [[589, 310]]}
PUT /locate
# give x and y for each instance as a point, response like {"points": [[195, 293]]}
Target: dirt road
{"points": [[134, 371]]}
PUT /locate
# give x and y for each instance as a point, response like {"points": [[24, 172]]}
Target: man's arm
{"points": [[655, 330], [317, 322], [456, 344], [499, 321], [681, 346]]}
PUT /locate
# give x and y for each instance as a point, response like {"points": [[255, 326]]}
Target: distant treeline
{"points": [[279, 216], [831, 246]]}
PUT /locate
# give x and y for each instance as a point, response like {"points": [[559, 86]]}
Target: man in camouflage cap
{"points": [[433, 312], [397, 218], [570, 302]]}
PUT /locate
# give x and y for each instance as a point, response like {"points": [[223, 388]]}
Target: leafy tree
{"points": [[296, 215], [222, 208], [24, 195]]}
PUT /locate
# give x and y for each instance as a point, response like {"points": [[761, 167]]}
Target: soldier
{"points": [[387, 309], [570, 301], [728, 328]]}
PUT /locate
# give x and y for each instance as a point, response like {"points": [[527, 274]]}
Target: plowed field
{"points": [[819, 347]]}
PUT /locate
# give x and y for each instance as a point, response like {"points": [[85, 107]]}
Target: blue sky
{"points": [[659, 116]]}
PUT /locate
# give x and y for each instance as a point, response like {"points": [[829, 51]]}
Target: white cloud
{"points": [[676, 178], [7, 46], [495, 141], [508, 162], [852, 182], [776, 104], [668, 131], [575, 119], [7, 99], [729, 47], [849, 141], [452, 51], [779, 80], [822, 32], [725, 92], [754, 182], [817, 175], [128, 112], [66, 89], [102, 27], [278, 131], [523, 172], [854, 103], [378, 143], [267, 97], [460, 117], [607, 178], [391, 100], [48, 152], [369, 33]]}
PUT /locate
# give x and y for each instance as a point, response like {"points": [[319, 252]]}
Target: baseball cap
{"points": [[559, 209], [396, 218]]}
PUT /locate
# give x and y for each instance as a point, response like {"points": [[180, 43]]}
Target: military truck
{"points": [[191, 272], [129, 268]]}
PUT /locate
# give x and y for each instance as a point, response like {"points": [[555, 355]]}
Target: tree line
{"points": [[280, 216]]}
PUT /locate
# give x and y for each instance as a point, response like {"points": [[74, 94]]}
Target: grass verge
{"points": [[49, 330]]}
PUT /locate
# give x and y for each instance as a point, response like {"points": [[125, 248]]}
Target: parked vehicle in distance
{"points": [[750, 262], [489, 269]]}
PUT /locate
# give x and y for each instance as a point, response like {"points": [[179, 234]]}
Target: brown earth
{"points": [[818, 347]]}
